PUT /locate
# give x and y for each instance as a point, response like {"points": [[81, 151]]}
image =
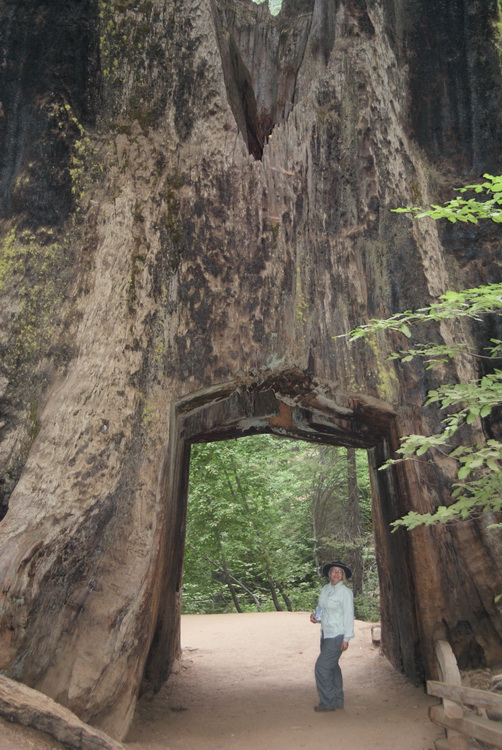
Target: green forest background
{"points": [[264, 513]]}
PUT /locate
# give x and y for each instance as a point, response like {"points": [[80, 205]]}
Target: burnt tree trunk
{"points": [[194, 201]]}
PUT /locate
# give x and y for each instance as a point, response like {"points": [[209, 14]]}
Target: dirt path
{"points": [[246, 681]]}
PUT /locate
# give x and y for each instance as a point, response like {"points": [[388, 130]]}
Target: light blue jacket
{"points": [[337, 603]]}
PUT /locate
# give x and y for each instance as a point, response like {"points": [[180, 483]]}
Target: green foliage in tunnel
{"points": [[263, 514]]}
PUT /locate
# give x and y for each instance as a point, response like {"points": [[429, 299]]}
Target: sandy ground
{"points": [[246, 681]]}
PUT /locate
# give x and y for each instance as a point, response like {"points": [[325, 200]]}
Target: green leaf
{"points": [[461, 403]]}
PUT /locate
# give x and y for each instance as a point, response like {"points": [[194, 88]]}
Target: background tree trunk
{"points": [[354, 516], [194, 202], [337, 523], [231, 588]]}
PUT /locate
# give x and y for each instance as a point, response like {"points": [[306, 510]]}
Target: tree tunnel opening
{"points": [[292, 405], [264, 514]]}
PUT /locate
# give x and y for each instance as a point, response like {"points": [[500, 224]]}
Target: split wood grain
{"points": [[23, 705]]}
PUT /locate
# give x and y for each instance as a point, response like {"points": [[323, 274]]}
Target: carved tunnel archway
{"points": [[289, 404]]}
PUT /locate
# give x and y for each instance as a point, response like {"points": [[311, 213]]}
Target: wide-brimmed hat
{"points": [[336, 564]]}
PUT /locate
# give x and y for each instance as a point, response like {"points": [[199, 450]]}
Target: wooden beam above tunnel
{"points": [[312, 412]]}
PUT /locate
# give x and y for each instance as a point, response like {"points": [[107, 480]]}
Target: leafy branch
{"points": [[468, 303], [470, 210], [479, 467]]}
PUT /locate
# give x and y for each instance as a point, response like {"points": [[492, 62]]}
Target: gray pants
{"points": [[328, 675]]}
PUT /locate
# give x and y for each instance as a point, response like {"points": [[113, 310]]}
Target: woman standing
{"points": [[335, 612]]}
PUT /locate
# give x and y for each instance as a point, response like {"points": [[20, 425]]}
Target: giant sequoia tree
{"points": [[193, 203]]}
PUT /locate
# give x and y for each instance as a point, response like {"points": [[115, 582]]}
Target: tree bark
{"points": [[33, 709], [194, 203], [354, 524], [287, 600]]}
